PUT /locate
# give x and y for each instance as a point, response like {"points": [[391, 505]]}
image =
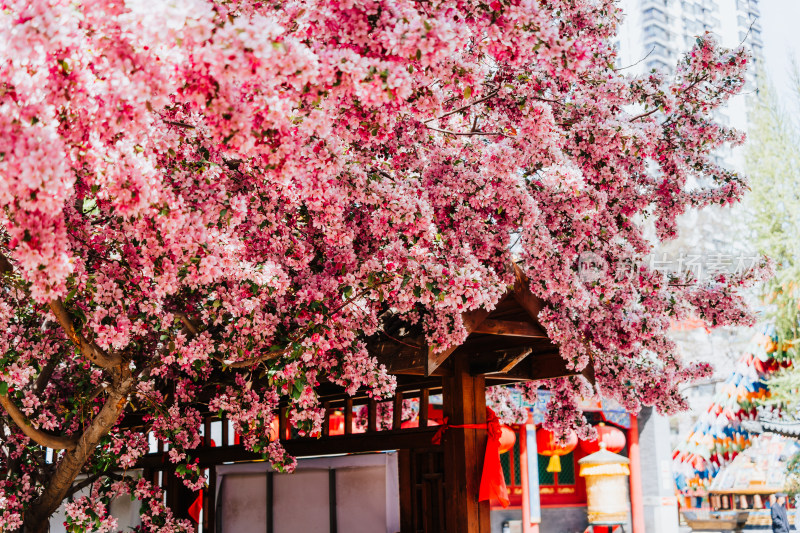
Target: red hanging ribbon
{"points": [[197, 504], [493, 483]]}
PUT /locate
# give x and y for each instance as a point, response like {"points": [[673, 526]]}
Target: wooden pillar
{"points": [[637, 504], [464, 398]]}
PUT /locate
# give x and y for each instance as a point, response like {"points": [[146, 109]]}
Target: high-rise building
{"points": [[656, 33]]}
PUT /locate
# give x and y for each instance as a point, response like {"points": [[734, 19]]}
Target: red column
{"points": [[637, 506]]}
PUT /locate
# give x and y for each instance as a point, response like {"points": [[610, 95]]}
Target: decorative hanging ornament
{"points": [[613, 438], [336, 423], [507, 438], [274, 430], [550, 446]]}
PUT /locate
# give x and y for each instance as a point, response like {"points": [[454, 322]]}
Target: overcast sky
{"points": [[781, 34]]}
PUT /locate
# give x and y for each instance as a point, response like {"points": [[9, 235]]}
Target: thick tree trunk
{"points": [[38, 516], [44, 527]]}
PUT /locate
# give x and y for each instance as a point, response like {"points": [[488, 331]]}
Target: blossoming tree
{"points": [[207, 205]]}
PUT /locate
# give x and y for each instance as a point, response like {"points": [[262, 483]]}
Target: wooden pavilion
{"points": [[438, 483]]}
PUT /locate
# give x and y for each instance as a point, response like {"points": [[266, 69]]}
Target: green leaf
{"points": [[3, 388], [467, 93], [71, 295], [297, 390]]}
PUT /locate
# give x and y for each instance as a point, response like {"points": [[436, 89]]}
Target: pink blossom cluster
{"points": [[156, 516], [127, 446], [508, 408], [384, 415], [217, 201], [88, 514]]}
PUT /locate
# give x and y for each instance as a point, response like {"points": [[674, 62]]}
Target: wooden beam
{"points": [[510, 328], [408, 360], [435, 359], [472, 319], [501, 364], [397, 410], [588, 373], [372, 415], [348, 416], [523, 295], [304, 447], [537, 367], [424, 402]]}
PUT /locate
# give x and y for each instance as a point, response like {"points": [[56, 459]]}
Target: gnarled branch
{"points": [[252, 361], [467, 133], [462, 108], [40, 437], [46, 374], [74, 459], [89, 349]]}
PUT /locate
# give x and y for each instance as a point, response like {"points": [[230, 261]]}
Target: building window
{"points": [[655, 13], [660, 50], [656, 32]]}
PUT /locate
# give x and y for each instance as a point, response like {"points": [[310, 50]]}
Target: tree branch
{"points": [[41, 438], [252, 361], [5, 265], [179, 124], [467, 133], [637, 117], [188, 323], [97, 391], [74, 460], [89, 349], [45, 374], [462, 108]]}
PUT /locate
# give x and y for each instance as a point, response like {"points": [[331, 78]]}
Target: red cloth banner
{"points": [[197, 504], [493, 483]]}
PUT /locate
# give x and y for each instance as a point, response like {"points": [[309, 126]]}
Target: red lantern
{"points": [[274, 430], [613, 438], [549, 446], [336, 423], [507, 438]]}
